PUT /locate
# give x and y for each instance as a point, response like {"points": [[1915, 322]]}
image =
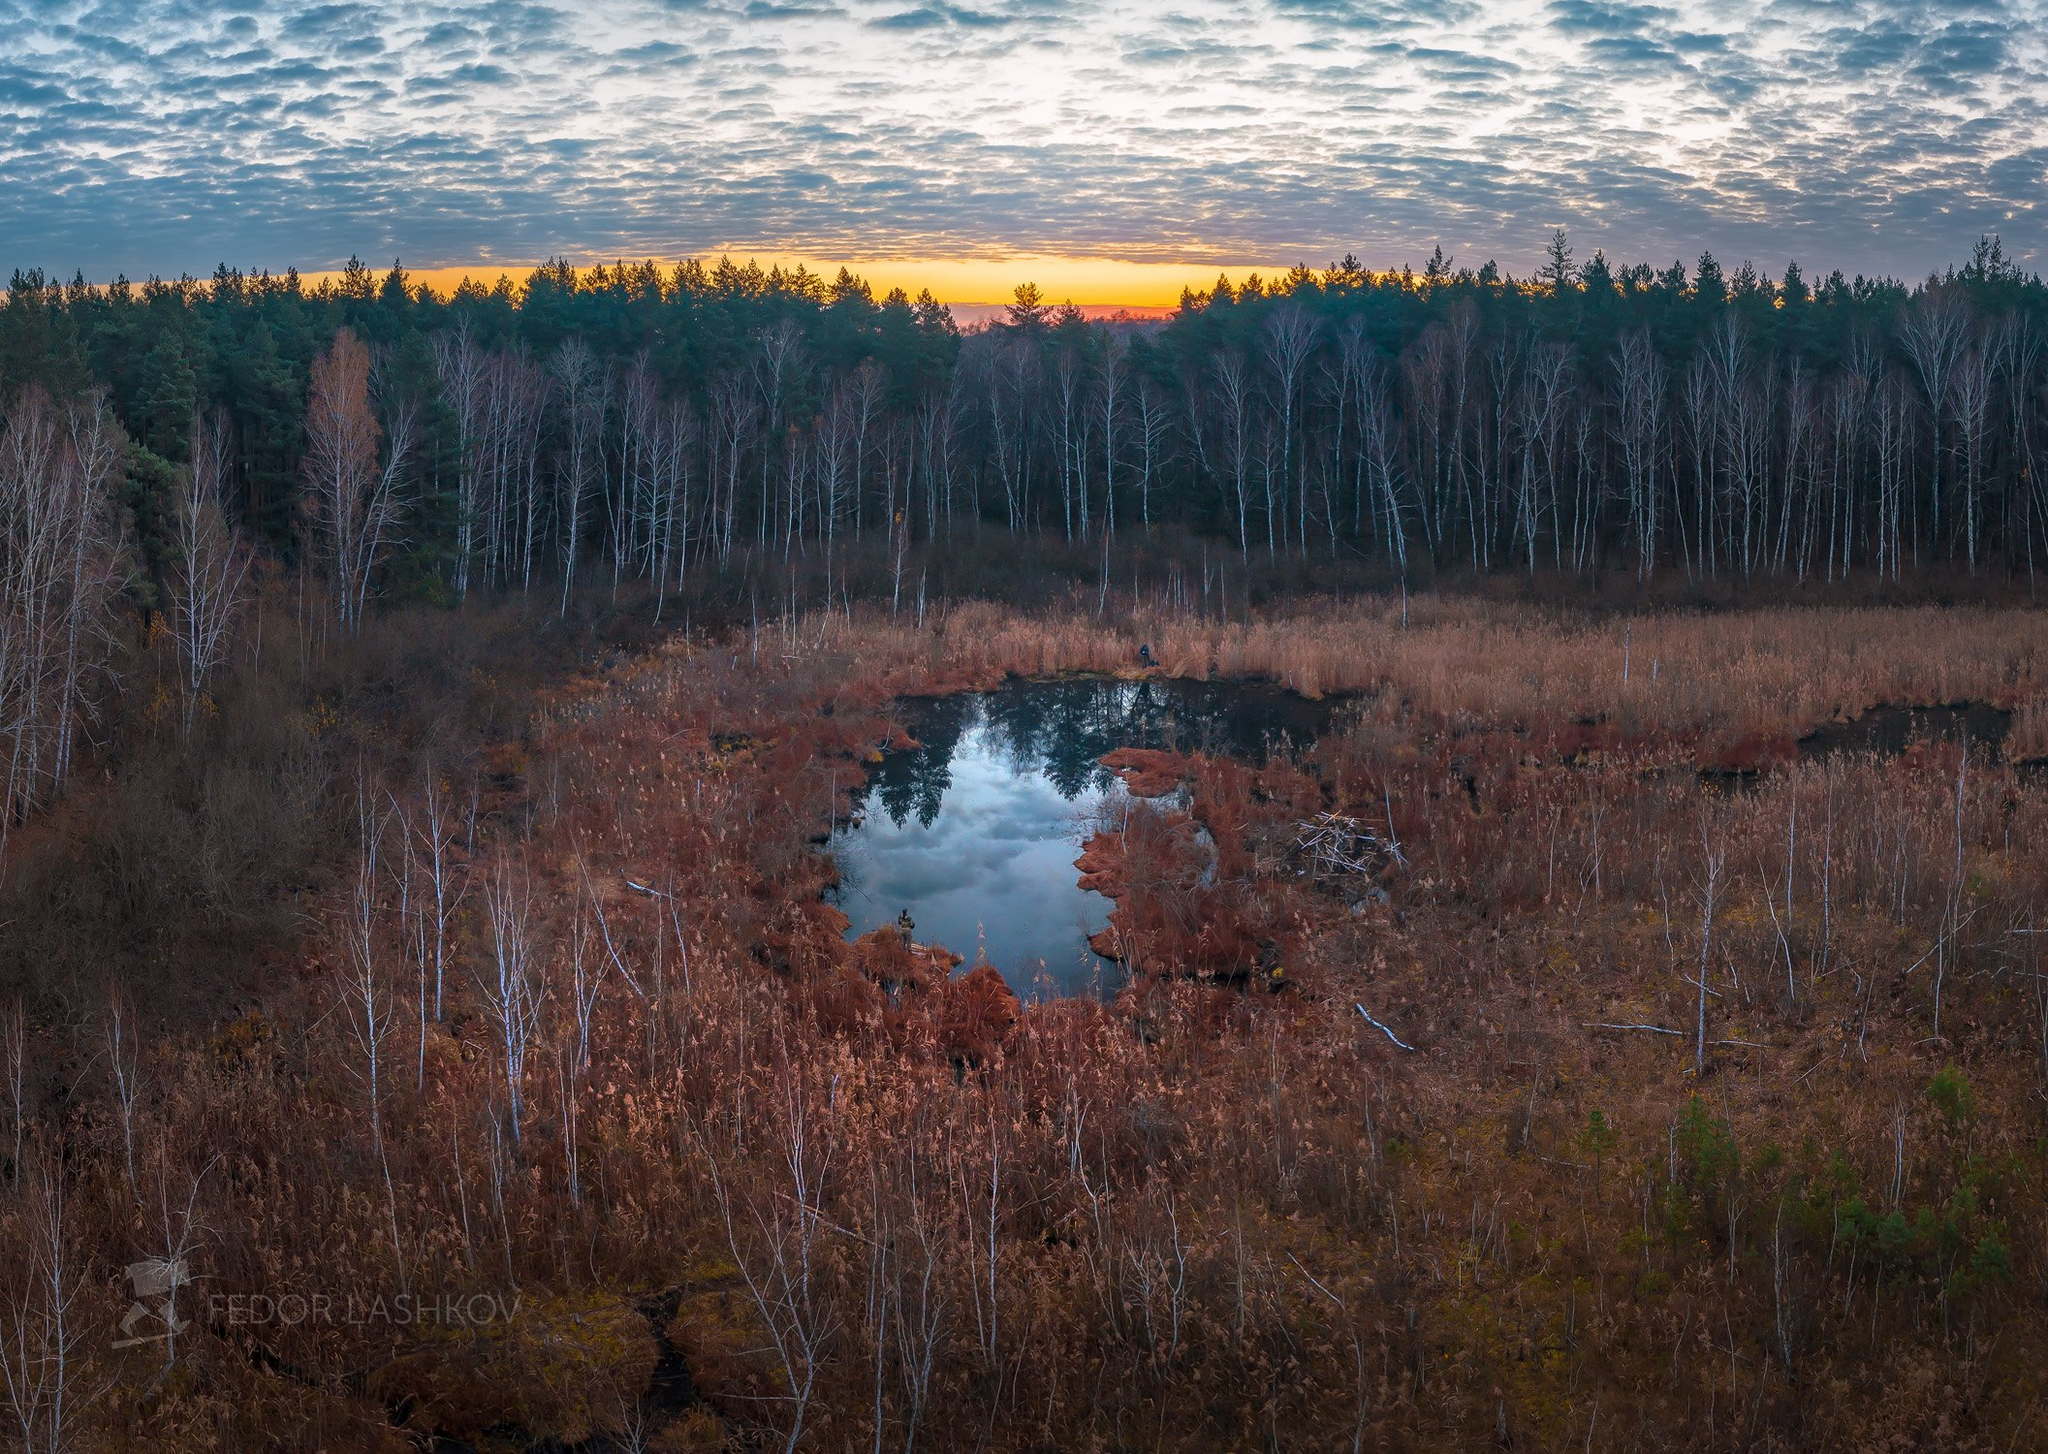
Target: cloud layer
{"points": [[168, 135]]}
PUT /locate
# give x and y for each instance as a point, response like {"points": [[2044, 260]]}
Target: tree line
{"points": [[647, 422]]}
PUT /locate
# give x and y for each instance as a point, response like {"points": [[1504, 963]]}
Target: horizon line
{"points": [[1098, 286]]}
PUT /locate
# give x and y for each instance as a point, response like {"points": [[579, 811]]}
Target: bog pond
{"points": [[973, 832], [1889, 731]]}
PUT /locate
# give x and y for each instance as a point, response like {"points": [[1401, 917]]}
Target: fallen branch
{"points": [[604, 928], [1653, 1029], [1941, 941], [1336, 845], [1383, 1029]]}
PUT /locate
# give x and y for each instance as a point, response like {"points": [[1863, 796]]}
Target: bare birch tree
{"points": [[355, 471], [211, 568]]}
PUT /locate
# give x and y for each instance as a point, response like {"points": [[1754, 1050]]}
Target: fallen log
{"points": [[1383, 1029]]}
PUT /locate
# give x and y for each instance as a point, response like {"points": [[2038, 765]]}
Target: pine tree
{"points": [[268, 409], [1557, 273], [1708, 285], [168, 395]]}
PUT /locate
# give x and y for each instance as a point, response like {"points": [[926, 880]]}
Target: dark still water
{"points": [[1888, 731], [974, 831]]}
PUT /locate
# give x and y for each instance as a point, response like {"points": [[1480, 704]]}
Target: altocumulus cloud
{"points": [[167, 135]]}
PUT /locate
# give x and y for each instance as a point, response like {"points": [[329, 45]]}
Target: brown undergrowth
{"points": [[1617, 1108]]}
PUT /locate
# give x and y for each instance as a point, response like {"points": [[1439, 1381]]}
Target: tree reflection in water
{"points": [[974, 830]]}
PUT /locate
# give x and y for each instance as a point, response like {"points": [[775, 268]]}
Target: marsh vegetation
{"points": [[1577, 1097]]}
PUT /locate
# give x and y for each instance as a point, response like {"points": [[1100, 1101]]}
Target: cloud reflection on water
{"points": [[975, 830]]}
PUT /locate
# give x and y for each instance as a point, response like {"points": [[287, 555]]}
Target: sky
{"points": [[1136, 144]]}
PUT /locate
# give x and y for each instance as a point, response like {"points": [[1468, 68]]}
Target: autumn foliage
{"points": [[1616, 1101]]}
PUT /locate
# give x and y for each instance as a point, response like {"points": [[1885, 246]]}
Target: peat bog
{"points": [[973, 830]]}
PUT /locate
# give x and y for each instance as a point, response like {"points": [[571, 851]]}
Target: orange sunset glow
{"points": [[1092, 283]]}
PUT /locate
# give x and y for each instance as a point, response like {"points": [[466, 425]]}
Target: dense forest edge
{"points": [[648, 422]]}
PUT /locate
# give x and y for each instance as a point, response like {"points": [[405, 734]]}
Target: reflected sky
{"points": [[975, 830], [979, 846]]}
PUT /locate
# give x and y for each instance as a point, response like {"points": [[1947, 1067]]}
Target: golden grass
{"points": [[1772, 674]]}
